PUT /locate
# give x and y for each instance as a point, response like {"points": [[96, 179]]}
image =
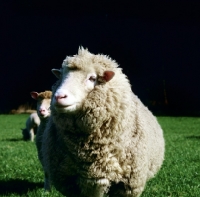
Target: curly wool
{"points": [[44, 95], [112, 137]]}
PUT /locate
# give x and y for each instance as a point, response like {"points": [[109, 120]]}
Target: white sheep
{"points": [[100, 138], [43, 110], [32, 123]]}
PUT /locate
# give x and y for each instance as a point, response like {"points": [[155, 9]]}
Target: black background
{"points": [[157, 43]]}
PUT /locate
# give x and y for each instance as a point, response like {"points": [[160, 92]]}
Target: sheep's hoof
{"points": [[103, 182], [128, 192]]}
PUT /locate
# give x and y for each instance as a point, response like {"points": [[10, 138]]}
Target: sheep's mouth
{"points": [[43, 113], [65, 108], [62, 106]]}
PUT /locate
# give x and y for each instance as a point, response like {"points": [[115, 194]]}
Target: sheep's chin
{"points": [[43, 116], [65, 109]]}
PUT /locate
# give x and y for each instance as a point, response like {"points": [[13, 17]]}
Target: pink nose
{"points": [[60, 96], [41, 110]]}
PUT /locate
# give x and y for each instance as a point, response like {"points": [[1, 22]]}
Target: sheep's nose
{"points": [[60, 96], [41, 110]]}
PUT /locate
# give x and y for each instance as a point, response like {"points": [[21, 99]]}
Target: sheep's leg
{"points": [[102, 186], [31, 133], [93, 187], [121, 190], [137, 181], [118, 190], [98, 191], [47, 186]]}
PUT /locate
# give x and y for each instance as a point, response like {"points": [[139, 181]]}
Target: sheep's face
{"points": [[75, 85], [43, 105], [43, 108]]}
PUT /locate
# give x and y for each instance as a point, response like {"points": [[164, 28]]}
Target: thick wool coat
{"points": [[111, 145]]}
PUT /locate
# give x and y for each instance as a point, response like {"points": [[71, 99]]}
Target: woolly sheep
{"points": [[100, 139], [32, 123], [43, 110]]}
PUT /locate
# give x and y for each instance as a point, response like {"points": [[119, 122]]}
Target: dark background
{"points": [[157, 43]]}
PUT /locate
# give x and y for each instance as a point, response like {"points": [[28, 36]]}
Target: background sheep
{"points": [[32, 123], [43, 110], [100, 138]]}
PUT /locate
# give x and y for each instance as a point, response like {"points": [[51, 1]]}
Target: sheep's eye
{"points": [[72, 67], [92, 78]]}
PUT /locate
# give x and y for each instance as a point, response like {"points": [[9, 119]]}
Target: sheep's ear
{"points": [[56, 72], [34, 95], [108, 75]]}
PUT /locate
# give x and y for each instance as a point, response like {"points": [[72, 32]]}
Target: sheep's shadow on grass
{"points": [[17, 186], [193, 137], [13, 140]]}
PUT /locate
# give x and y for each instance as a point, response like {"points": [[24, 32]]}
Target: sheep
{"points": [[100, 139], [32, 123], [43, 110]]}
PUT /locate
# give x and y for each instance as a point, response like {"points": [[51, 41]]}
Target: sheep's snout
{"points": [[60, 96], [43, 112], [64, 101]]}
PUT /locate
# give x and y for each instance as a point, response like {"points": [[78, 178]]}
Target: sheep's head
{"points": [[43, 103], [75, 87], [79, 75]]}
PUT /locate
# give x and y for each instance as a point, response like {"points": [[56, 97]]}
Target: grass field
{"points": [[21, 173]]}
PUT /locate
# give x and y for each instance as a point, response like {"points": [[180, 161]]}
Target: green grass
{"points": [[21, 173], [180, 173]]}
